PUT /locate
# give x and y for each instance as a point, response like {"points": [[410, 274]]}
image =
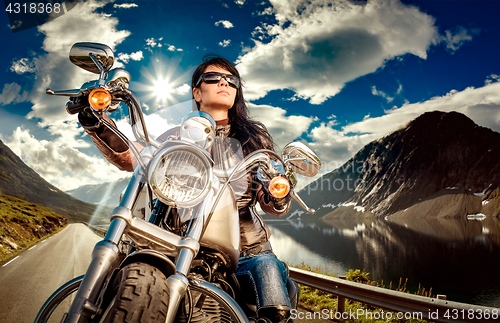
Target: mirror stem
{"points": [[102, 71]]}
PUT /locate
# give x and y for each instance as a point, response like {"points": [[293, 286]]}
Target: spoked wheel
{"points": [[203, 303], [59, 302], [142, 296]]}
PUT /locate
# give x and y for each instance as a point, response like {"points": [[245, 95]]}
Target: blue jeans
{"points": [[263, 280]]}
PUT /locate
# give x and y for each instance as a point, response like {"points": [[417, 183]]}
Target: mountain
{"points": [[439, 165], [104, 194], [22, 224], [18, 180]]}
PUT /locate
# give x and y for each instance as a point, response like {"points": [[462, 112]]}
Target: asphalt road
{"points": [[30, 278]]}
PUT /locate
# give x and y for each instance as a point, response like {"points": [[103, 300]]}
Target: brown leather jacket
{"points": [[253, 230]]}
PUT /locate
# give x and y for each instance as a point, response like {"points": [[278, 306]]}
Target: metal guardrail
{"points": [[402, 305], [97, 230]]}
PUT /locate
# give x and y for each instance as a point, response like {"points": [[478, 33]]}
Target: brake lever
{"points": [[87, 86], [74, 92], [301, 203]]}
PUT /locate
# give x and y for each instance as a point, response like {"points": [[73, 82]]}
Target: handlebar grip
{"points": [[77, 104]]}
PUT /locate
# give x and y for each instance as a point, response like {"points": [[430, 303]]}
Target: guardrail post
{"points": [[341, 300]]}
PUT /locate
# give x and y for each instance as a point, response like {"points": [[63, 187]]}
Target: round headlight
{"points": [[181, 175]]}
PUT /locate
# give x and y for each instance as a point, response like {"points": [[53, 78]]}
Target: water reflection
{"points": [[453, 256]]}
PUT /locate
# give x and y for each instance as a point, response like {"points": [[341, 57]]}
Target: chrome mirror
{"points": [[92, 57], [301, 159]]}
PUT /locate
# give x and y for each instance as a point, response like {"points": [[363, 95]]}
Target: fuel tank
{"points": [[223, 231]]}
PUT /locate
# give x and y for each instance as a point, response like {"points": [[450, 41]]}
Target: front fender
{"points": [[220, 296], [153, 258]]}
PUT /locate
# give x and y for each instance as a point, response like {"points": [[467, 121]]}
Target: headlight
{"points": [[181, 175]]}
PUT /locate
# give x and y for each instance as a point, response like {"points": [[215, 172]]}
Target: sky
{"points": [[334, 75]]}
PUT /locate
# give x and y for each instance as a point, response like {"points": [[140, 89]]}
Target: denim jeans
{"points": [[263, 278]]}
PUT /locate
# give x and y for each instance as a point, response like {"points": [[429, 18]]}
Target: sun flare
{"points": [[163, 84], [162, 89]]}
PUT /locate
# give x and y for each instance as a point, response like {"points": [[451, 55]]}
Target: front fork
{"points": [[104, 256], [178, 283]]}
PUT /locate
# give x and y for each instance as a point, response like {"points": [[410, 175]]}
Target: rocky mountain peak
{"points": [[443, 153]]}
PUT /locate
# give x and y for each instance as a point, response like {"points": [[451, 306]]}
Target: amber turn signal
{"points": [[99, 99], [279, 187]]}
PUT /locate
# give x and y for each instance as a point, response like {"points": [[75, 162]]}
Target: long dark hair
{"points": [[251, 134]]}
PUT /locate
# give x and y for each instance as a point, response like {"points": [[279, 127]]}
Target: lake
{"points": [[454, 257]]}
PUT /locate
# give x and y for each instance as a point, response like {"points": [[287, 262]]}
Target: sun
{"points": [[162, 83], [162, 89]]}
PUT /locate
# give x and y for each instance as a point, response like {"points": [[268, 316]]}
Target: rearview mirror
{"points": [[81, 55], [301, 158]]}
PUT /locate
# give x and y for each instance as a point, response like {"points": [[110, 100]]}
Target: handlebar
{"points": [[79, 101], [260, 158]]}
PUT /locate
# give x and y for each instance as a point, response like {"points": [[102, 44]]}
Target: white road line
{"points": [[32, 247], [10, 261]]}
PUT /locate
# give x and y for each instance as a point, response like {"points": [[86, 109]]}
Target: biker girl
{"points": [[217, 90]]}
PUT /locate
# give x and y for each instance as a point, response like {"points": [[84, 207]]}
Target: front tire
{"points": [[142, 295]]}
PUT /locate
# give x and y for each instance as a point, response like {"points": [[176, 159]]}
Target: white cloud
{"points": [[125, 5], [22, 66], [11, 93], [455, 41], [267, 11], [152, 42], [315, 48], [172, 48], [225, 43], [492, 78], [282, 128], [225, 23], [183, 89], [59, 161], [60, 164], [335, 146], [125, 58], [400, 89], [381, 94], [239, 2]]}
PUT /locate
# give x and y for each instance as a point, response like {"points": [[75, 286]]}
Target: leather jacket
{"points": [[253, 230]]}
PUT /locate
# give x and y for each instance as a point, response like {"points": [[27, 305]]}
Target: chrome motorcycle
{"points": [[173, 244]]}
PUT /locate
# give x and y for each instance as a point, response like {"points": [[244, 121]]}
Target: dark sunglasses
{"points": [[215, 77]]}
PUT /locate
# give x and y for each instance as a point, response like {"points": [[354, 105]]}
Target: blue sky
{"points": [[333, 74]]}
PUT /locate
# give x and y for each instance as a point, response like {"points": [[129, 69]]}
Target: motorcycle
{"points": [[172, 246]]}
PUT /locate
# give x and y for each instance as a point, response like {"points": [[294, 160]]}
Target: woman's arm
{"points": [[112, 147]]}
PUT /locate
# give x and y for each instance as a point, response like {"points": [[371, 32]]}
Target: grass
{"points": [[22, 224], [316, 300]]}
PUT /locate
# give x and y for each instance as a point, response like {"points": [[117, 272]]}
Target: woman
{"points": [[217, 90]]}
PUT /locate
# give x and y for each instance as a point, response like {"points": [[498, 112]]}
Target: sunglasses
{"points": [[215, 77]]}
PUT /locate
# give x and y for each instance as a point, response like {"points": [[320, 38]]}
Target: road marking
{"points": [[32, 247], [10, 261]]}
